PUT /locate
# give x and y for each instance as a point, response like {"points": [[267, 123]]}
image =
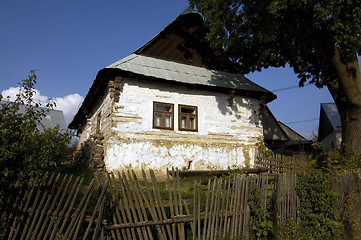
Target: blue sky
{"points": [[70, 41]]}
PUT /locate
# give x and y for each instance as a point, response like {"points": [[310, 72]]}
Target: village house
{"points": [[175, 102], [280, 138], [330, 129]]}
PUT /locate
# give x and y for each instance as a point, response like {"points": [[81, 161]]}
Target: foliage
{"points": [[27, 153], [288, 230], [318, 210], [338, 161], [261, 222], [303, 34], [262, 149], [349, 214]]}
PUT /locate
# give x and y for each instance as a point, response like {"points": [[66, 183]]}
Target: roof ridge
{"points": [[188, 10], [123, 60], [134, 55]]}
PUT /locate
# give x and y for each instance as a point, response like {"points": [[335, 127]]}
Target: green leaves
{"points": [[315, 189], [260, 34], [25, 152], [262, 225]]}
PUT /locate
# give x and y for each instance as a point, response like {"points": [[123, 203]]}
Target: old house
{"points": [[174, 102], [280, 138], [330, 129]]}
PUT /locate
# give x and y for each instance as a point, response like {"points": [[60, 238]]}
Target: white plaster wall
{"points": [[149, 154], [135, 109], [225, 137], [336, 138]]}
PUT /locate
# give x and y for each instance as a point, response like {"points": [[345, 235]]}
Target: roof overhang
{"points": [[215, 81]]}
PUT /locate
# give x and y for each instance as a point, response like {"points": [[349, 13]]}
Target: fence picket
{"points": [[66, 210], [139, 210], [53, 214], [153, 208], [139, 200]]}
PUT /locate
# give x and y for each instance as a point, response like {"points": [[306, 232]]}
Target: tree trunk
{"points": [[351, 128], [346, 92]]}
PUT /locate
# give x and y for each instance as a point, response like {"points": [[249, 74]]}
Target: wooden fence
{"points": [[129, 206], [125, 207], [55, 210], [279, 163], [142, 213]]}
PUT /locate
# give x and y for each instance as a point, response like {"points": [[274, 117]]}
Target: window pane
{"points": [[188, 118], [189, 110], [183, 122], [163, 108], [168, 121], [193, 122], [157, 120]]}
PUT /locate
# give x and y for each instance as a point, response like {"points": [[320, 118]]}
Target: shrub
{"points": [[318, 210], [26, 153]]}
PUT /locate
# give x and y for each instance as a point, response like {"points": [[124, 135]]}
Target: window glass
{"points": [[163, 115], [183, 122], [190, 110], [167, 122], [188, 118], [158, 118], [163, 108]]}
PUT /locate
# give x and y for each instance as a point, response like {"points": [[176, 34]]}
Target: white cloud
{"points": [[68, 104], [13, 91]]}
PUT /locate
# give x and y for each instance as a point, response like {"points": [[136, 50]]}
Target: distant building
{"points": [[330, 128], [51, 119], [280, 138]]}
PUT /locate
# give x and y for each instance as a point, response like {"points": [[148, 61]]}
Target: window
{"points": [[188, 118], [163, 115]]}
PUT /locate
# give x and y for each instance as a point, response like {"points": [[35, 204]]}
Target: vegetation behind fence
{"points": [[126, 206]]}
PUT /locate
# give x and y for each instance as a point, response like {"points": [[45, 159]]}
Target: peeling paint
{"points": [[226, 136]]}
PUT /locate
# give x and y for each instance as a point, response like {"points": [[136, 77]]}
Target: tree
{"points": [[320, 40], [27, 153]]}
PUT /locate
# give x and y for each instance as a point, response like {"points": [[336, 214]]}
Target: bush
{"points": [[26, 153], [318, 210]]}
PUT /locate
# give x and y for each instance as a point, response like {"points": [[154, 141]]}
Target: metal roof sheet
{"points": [[183, 73], [332, 114], [51, 119]]}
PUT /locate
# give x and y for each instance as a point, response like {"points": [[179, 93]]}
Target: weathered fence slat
{"points": [[45, 212], [155, 212], [51, 212], [78, 216], [66, 209], [35, 210], [140, 202], [17, 220], [113, 201], [126, 206], [141, 209]]}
